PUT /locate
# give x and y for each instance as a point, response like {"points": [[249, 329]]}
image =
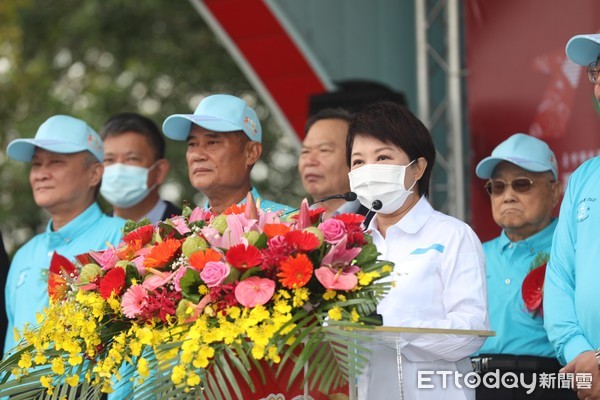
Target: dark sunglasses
{"points": [[593, 71], [496, 187]]}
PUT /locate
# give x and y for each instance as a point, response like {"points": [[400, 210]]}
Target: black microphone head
{"points": [[350, 196], [377, 204]]}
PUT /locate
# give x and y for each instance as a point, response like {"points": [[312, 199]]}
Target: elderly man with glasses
{"points": [[522, 181], [572, 316]]}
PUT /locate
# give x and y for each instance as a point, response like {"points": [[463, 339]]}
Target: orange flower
{"points": [[272, 230], [234, 209], [127, 250], [134, 241], [60, 271], [162, 254], [296, 271], [199, 259]]}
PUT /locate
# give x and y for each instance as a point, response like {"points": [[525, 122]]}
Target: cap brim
{"points": [[583, 49], [23, 149], [485, 168], [177, 127]]}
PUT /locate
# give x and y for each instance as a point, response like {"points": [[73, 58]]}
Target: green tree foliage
{"points": [[91, 59]]}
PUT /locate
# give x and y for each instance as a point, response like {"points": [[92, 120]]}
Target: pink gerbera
{"points": [[133, 301]]}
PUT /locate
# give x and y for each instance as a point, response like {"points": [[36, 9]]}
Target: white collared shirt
{"points": [[440, 282]]}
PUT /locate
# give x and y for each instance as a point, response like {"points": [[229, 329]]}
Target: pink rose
{"points": [[254, 291], [214, 273], [333, 230], [107, 258]]}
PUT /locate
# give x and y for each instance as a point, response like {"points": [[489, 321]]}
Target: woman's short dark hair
{"points": [[394, 124]]}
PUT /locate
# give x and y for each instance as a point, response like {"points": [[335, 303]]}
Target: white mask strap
{"points": [[415, 182], [150, 169]]}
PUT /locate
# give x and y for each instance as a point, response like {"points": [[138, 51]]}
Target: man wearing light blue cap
{"points": [[522, 181], [66, 168], [572, 314], [224, 142]]}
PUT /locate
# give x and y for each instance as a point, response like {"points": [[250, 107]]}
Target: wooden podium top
{"points": [[395, 332], [394, 329]]}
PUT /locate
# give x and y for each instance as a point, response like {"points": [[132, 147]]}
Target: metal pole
{"points": [[457, 205], [422, 67]]}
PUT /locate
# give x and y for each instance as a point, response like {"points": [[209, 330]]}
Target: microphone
{"points": [[377, 204], [348, 196]]}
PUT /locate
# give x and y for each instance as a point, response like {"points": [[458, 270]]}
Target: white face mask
{"points": [[380, 182], [124, 185]]}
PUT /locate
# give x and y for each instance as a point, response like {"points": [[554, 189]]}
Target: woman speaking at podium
{"points": [[439, 273]]}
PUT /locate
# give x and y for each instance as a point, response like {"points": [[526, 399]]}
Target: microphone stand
{"points": [[348, 196]]}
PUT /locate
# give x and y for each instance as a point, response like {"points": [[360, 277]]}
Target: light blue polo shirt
{"points": [[26, 289], [268, 205], [571, 292], [507, 265]]}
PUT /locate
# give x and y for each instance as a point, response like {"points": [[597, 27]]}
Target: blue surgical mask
{"points": [[124, 185]]}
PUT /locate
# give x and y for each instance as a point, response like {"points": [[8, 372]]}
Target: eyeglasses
{"points": [[496, 187], [593, 72]]}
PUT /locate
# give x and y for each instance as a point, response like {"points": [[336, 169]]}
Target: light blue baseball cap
{"points": [[583, 49], [59, 134], [218, 113], [525, 151]]}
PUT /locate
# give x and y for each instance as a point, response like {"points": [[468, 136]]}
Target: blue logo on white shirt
{"points": [[436, 246]]}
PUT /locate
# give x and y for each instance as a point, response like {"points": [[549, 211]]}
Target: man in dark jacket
{"points": [[134, 168]]}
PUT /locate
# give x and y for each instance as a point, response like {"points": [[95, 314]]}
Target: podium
{"points": [[381, 342], [387, 346], [268, 385]]}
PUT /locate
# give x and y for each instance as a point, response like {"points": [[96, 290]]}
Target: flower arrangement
{"points": [[532, 289], [191, 306]]}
